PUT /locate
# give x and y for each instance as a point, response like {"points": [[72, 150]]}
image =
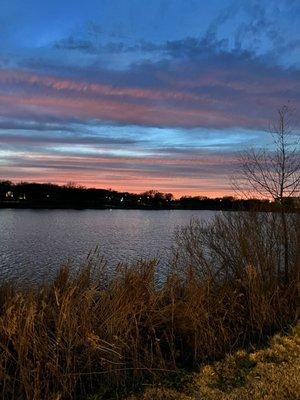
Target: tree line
{"points": [[48, 195]]}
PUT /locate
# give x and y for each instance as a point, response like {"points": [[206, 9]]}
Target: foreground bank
{"points": [[271, 373], [232, 283]]}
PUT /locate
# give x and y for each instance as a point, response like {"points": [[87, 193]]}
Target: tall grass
{"points": [[223, 290]]}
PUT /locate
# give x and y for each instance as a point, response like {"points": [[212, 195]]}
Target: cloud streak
{"points": [[206, 174], [188, 94]]}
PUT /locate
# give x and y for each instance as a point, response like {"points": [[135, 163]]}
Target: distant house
{"points": [[9, 195]]}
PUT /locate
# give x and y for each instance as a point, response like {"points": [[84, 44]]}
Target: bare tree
{"points": [[272, 173]]}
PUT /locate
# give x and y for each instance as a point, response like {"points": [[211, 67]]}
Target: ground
{"points": [[272, 373]]}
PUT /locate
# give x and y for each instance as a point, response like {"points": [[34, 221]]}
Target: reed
{"points": [[89, 331]]}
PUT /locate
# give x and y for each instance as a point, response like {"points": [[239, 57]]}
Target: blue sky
{"points": [[139, 95]]}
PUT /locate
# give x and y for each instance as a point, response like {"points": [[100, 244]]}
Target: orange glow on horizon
{"points": [[137, 187]]}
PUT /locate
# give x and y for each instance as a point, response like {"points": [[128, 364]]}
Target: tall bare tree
{"points": [[273, 173]]}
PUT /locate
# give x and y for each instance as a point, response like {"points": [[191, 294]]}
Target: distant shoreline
{"points": [[103, 207], [25, 195], [33, 206]]}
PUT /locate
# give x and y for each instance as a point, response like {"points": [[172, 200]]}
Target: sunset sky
{"points": [[138, 94]]}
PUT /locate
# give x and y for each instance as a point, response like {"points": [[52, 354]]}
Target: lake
{"points": [[34, 243]]}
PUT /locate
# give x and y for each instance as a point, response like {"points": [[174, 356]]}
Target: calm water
{"points": [[34, 243]]}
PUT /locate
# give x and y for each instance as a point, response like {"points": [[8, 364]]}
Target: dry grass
{"points": [[268, 374], [80, 333]]}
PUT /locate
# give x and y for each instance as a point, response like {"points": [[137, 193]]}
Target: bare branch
{"points": [[276, 173]]}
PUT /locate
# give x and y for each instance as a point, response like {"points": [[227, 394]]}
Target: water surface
{"points": [[34, 243]]}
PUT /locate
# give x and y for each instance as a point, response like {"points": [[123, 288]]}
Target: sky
{"points": [[136, 94]]}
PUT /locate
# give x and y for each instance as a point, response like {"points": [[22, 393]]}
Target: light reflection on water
{"points": [[34, 243]]}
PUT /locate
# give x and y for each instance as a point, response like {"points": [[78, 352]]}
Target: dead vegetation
{"points": [[270, 374]]}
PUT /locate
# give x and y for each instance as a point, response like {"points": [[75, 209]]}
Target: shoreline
{"points": [[32, 206]]}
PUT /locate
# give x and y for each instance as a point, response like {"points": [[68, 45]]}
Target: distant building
{"points": [[9, 195]]}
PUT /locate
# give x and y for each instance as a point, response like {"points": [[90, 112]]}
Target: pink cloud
{"points": [[46, 96], [134, 174]]}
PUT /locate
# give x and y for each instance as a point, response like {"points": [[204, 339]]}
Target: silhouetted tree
{"points": [[273, 173]]}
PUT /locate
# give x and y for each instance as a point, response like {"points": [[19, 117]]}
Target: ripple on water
{"points": [[34, 243]]}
